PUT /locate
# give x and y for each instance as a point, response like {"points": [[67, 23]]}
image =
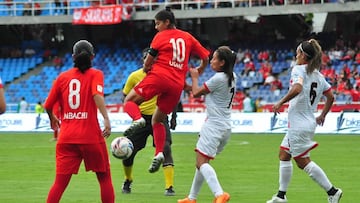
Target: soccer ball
{"points": [[121, 147]]}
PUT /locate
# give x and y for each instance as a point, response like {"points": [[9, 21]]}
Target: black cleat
{"points": [[169, 191], [126, 188], [135, 125]]}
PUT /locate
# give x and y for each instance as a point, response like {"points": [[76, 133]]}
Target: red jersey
{"points": [[355, 95], [357, 58], [276, 85], [1, 84], [74, 91], [174, 48], [328, 72]]}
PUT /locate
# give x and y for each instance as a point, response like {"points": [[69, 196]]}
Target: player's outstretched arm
{"points": [[293, 92], [54, 121], [196, 89], [203, 63], [100, 103], [329, 101]]}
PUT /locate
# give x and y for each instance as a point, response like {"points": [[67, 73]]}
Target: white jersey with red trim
{"points": [[302, 107], [219, 100]]}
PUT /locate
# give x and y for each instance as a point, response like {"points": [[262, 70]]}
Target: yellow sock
{"points": [[169, 176], [128, 172]]}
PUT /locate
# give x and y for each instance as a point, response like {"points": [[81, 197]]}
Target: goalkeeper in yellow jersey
{"points": [[139, 136]]}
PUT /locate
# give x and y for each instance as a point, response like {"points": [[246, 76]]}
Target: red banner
{"points": [[101, 15]]}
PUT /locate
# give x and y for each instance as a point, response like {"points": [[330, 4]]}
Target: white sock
{"points": [[318, 175], [196, 185], [209, 174], [285, 174]]}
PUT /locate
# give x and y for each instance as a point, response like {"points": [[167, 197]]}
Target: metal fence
{"points": [[51, 7]]}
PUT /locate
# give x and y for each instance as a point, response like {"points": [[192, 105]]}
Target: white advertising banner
{"points": [[335, 123]]}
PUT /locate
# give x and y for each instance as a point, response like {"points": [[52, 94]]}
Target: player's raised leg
{"points": [[131, 107]]}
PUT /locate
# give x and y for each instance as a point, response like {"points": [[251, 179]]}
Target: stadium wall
{"points": [[184, 13], [336, 123]]}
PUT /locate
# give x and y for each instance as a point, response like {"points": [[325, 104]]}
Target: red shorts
{"points": [[167, 90], [69, 157]]}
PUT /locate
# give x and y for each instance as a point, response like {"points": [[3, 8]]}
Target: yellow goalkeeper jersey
{"points": [[147, 107]]}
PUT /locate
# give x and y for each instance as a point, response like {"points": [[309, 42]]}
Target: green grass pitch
{"points": [[247, 169]]}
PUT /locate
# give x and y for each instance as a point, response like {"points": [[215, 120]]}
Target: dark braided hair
{"points": [[229, 57], [83, 51]]}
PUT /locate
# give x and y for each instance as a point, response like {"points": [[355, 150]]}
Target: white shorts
{"points": [[298, 143], [212, 139]]}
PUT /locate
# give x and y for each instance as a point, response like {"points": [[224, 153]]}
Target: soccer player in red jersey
{"points": [[166, 66], [80, 93], [2, 98]]}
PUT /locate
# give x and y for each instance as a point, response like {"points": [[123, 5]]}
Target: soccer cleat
{"points": [[276, 199], [169, 191], [225, 197], [186, 200], [336, 197], [157, 161], [126, 188], [137, 124]]}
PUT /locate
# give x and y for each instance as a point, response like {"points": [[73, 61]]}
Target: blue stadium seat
{"points": [[48, 9], [117, 63], [3, 10]]}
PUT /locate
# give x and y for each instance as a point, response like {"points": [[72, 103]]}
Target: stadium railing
{"points": [[50, 8]]}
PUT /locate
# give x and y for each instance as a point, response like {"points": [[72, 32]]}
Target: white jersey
{"points": [[219, 100], [302, 107], [216, 130], [23, 106]]}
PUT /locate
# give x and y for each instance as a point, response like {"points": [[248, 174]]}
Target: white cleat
{"points": [[336, 197], [276, 199]]}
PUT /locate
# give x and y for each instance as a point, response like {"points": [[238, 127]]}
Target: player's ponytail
{"points": [[315, 62], [229, 57], [312, 51], [83, 53]]}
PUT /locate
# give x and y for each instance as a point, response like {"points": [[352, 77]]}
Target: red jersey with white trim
{"points": [[174, 48], [75, 93], [1, 84]]}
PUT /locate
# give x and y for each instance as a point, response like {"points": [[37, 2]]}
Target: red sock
{"points": [[132, 109], [159, 137], [58, 188], [106, 187]]}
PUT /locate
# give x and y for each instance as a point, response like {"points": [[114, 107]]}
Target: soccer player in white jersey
{"points": [[307, 86], [216, 130]]}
